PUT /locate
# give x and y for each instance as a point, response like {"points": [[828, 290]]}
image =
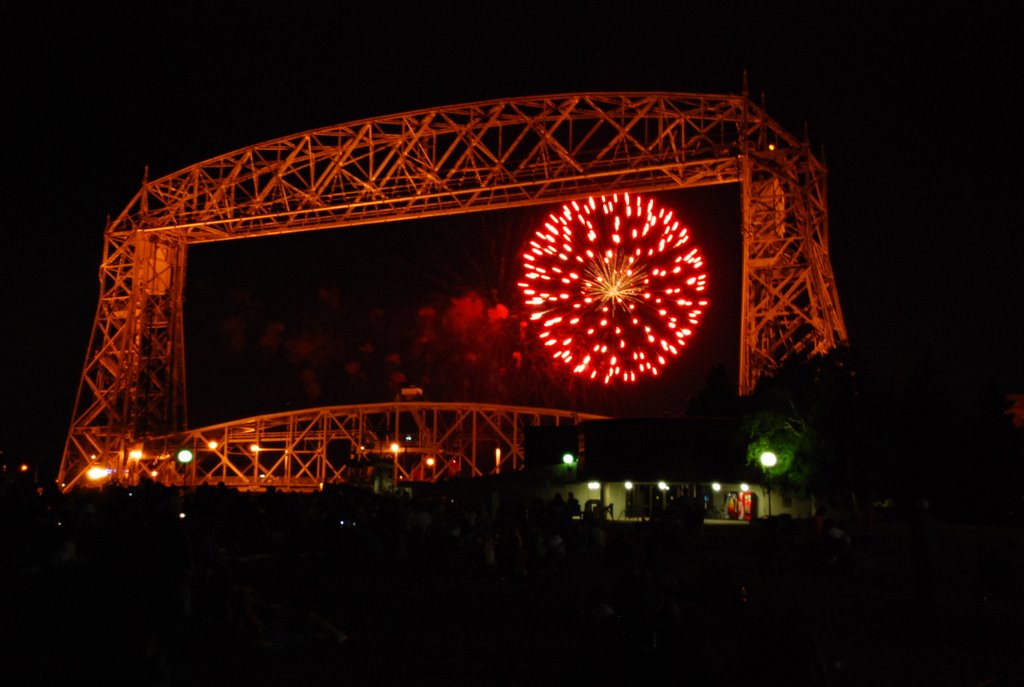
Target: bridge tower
{"points": [[474, 157]]}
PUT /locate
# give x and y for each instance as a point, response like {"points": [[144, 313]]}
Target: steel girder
{"points": [[383, 444], [790, 302], [457, 159], [133, 382]]}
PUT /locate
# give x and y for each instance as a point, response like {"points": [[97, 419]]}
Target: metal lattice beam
{"points": [[303, 450], [458, 159]]}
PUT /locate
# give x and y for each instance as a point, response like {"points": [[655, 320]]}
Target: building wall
{"points": [[620, 504]]}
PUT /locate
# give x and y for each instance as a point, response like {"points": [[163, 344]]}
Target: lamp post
{"points": [[567, 460], [768, 461], [185, 458], [394, 468]]}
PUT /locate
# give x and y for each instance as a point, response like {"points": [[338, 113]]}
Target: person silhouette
{"points": [[572, 506], [556, 509]]}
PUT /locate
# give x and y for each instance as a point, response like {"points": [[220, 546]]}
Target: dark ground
{"points": [[649, 607]]}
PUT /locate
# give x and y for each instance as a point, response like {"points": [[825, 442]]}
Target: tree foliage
{"points": [[811, 413], [718, 398], [842, 436]]}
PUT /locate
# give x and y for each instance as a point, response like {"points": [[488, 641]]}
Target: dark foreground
{"points": [[276, 590]]}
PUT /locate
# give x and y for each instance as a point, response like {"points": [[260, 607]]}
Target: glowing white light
{"points": [[97, 473]]}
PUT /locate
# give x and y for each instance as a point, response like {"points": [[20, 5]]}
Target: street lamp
{"points": [[567, 460], [768, 461], [394, 469]]}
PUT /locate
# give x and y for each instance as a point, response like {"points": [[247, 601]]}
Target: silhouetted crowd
{"points": [[162, 585], [152, 585]]}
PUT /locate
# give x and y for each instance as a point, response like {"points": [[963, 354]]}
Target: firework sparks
{"points": [[614, 286]]}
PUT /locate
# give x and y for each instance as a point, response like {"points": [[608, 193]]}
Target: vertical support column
{"points": [[133, 382], [790, 306]]}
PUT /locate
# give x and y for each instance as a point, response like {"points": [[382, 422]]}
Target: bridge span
{"points": [[379, 445], [466, 158]]}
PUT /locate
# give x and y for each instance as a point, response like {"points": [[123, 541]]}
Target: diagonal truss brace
{"points": [[458, 159]]}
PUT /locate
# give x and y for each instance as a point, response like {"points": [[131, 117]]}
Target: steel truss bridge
{"points": [[379, 446], [468, 158]]}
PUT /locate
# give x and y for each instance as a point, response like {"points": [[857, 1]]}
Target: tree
{"points": [[718, 398], [813, 415], [992, 452]]}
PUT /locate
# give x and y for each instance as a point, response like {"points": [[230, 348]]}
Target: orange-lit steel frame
{"points": [[458, 159], [376, 445]]}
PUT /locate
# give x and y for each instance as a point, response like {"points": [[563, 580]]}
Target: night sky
{"points": [[915, 112]]}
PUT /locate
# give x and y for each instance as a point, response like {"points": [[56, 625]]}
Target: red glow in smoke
{"points": [[614, 286]]}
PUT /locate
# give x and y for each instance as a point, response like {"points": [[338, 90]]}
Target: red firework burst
{"points": [[615, 286]]}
